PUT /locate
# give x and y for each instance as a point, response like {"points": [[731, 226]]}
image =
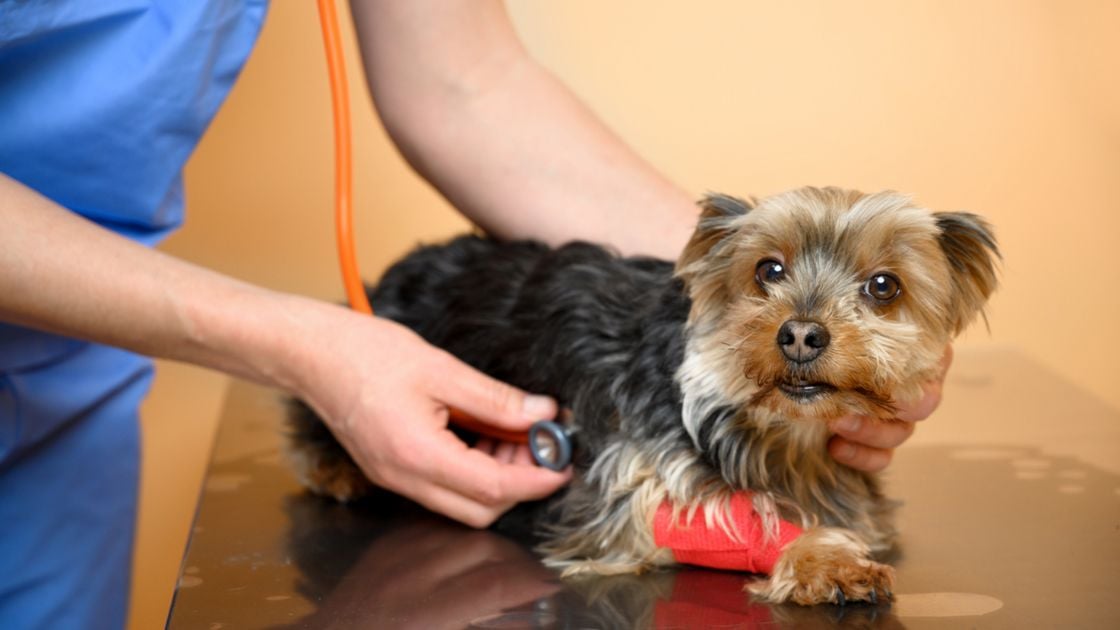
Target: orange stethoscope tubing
{"points": [[343, 208], [343, 164]]}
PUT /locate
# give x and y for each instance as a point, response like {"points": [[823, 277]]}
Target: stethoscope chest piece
{"points": [[551, 444]]}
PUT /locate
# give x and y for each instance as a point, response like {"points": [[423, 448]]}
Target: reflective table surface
{"points": [[1010, 519]]}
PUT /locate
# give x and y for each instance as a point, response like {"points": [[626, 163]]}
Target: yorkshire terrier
{"points": [[690, 383]]}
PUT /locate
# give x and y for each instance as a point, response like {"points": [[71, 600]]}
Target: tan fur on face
{"points": [[741, 432], [831, 242], [746, 434]]}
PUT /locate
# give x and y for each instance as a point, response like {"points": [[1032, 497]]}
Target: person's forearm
{"points": [[502, 139], [369, 379], [63, 274]]}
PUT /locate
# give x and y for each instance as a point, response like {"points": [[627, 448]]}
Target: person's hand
{"points": [[867, 444], [385, 394]]}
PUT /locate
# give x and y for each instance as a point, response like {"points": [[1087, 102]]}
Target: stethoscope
{"points": [[550, 442]]}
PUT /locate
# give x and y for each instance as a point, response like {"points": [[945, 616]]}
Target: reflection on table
{"points": [[1002, 528]]}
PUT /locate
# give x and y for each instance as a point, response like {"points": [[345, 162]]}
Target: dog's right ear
{"points": [[970, 247], [717, 218]]}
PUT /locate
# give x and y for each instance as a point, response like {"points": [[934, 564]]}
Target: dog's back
{"points": [[799, 308], [599, 332]]}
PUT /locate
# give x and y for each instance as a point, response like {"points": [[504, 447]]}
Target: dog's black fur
{"points": [[680, 387], [601, 333]]}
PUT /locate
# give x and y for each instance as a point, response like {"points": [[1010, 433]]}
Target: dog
{"points": [[689, 382]]}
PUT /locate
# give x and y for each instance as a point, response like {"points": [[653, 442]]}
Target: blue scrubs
{"points": [[101, 104]]}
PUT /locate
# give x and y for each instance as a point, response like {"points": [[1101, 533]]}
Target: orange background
{"points": [[1010, 109]]}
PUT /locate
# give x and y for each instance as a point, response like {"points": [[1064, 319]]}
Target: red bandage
{"points": [[694, 542]]}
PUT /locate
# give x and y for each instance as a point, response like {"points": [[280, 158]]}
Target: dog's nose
{"points": [[802, 342]]}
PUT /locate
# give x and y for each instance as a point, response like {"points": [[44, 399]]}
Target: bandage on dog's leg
{"points": [[742, 545]]}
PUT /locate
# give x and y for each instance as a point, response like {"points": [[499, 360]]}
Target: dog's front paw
{"points": [[827, 566]]}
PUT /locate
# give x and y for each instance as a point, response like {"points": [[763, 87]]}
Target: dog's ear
{"points": [[717, 216], [970, 246]]}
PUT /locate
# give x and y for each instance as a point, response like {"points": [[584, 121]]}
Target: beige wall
{"points": [[1006, 108]]}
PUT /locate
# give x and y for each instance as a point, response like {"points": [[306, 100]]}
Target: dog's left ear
{"points": [[970, 246], [717, 216]]}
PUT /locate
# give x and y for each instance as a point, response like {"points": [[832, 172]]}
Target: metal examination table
{"points": [[1011, 519]]}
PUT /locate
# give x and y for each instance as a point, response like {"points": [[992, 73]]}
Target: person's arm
{"points": [[506, 142], [370, 379], [513, 149]]}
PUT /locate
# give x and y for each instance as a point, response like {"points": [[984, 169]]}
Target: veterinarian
{"points": [[101, 104]]}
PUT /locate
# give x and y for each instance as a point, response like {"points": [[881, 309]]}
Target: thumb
{"points": [[486, 399]]}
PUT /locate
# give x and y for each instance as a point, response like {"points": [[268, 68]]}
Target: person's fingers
{"points": [[407, 476], [865, 458], [477, 500], [453, 504], [487, 445], [871, 432], [924, 407], [447, 462], [491, 482], [504, 452], [522, 456], [437, 470], [486, 399]]}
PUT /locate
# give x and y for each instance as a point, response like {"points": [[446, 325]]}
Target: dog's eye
{"points": [[769, 271], [882, 287]]}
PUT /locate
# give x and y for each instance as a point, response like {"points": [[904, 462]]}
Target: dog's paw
{"points": [[329, 474], [827, 566], [831, 583]]}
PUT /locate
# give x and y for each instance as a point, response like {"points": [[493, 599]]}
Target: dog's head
{"points": [[820, 302]]}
